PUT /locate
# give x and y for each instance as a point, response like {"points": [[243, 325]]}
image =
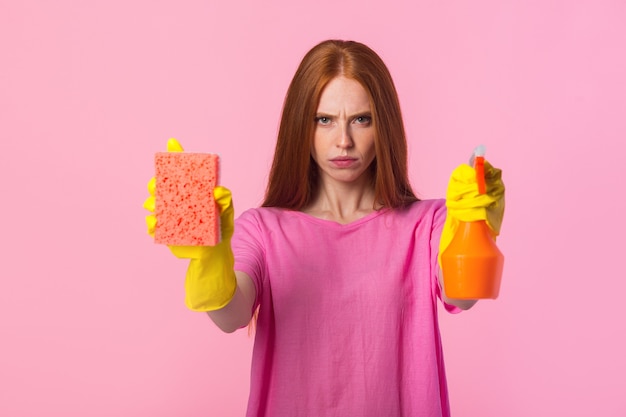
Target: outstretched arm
{"points": [[211, 284], [238, 312]]}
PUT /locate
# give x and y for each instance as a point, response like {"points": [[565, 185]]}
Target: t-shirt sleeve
{"points": [[439, 218], [249, 250]]}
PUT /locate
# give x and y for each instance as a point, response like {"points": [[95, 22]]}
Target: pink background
{"points": [[92, 319]]}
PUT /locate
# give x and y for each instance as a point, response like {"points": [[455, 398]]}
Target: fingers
{"points": [[149, 203], [463, 174], [466, 203], [223, 198], [151, 224], [152, 185], [174, 146], [187, 252], [493, 178], [463, 187], [491, 172]]}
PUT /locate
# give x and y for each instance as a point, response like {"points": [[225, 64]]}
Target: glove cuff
{"points": [[210, 284]]}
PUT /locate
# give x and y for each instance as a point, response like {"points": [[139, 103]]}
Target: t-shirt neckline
{"points": [[334, 224]]}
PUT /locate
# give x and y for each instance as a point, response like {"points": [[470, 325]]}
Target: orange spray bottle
{"points": [[472, 263]]}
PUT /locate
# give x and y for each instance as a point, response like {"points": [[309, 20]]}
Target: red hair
{"points": [[293, 177]]}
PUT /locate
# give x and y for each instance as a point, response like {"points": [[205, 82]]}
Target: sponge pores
{"points": [[185, 208]]}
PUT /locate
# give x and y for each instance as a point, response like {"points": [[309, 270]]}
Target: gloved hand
{"points": [[466, 204], [210, 282]]}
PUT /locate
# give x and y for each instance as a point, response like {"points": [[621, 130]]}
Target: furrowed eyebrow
{"points": [[366, 113]]}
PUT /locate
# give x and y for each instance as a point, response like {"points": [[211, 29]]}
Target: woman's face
{"points": [[343, 145]]}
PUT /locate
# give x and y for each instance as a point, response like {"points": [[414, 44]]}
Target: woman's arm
{"points": [[238, 312]]}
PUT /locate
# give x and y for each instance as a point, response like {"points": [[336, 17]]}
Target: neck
{"points": [[342, 202]]}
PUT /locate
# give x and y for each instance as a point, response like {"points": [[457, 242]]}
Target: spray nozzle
{"points": [[478, 161]]}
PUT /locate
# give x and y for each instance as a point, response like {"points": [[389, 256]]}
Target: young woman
{"points": [[341, 260]]}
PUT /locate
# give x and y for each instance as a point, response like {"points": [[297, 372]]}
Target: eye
{"points": [[322, 120], [363, 120]]}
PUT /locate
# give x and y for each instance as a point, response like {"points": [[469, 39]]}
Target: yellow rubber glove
{"points": [[466, 204], [210, 282]]}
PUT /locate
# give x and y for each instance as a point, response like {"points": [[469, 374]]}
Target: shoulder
{"points": [[423, 208], [422, 214], [261, 214], [262, 218]]}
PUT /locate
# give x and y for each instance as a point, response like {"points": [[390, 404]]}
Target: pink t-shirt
{"points": [[347, 322]]}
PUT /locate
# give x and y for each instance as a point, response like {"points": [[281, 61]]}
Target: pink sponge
{"points": [[185, 209]]}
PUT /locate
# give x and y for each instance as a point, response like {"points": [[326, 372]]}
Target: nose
{"points": [[345, 138]]}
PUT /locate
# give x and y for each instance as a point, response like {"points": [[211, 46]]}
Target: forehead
{"points": [[344, 93]]}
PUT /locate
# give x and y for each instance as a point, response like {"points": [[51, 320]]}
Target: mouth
{"points": [[343, 161]]}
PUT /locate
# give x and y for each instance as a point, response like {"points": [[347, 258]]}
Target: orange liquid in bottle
{"points": [[472, 263]]}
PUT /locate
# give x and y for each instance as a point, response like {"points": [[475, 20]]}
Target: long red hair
{"points": [[293, 177]]}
